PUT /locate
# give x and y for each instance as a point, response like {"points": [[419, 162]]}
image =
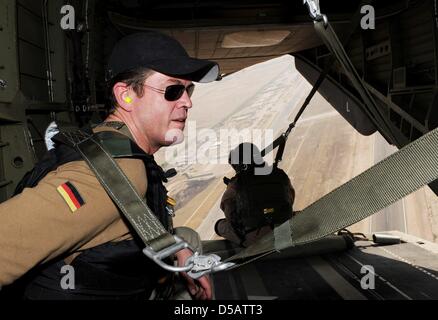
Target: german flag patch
{"points": [[70, 195]]}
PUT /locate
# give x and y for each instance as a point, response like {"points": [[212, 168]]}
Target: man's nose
{"points": [[185, 100]]}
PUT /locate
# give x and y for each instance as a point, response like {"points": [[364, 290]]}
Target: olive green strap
{"points": [[383, 184], [121, 190], [283, 236]]}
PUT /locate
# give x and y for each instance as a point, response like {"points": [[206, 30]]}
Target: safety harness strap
{"points": [[383, 184], [281, 141]]}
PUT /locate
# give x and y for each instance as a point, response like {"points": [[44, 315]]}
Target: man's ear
{"points": [[124, 96]]}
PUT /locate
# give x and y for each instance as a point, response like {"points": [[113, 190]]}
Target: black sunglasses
{"points": [[174, 91]]}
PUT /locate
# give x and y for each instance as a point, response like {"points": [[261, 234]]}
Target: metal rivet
{"points": [[18, 162]]}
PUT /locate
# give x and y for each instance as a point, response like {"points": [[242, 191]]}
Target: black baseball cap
{"points": [[160, 53]]}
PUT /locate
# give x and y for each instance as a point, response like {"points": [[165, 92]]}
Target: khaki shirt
{"points": [[38, 224]]}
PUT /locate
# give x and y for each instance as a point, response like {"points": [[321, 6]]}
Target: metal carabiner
{"points": [[196, 266], [159, 256], [205, 264], [315, 11]]}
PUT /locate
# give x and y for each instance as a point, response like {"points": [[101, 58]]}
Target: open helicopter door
{"points": [[390, 180]]}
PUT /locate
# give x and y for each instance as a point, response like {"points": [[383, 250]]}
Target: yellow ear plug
{"points": [[128, 99]]}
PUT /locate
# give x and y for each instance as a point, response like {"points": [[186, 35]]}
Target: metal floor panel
{"points": [[401, 272]]}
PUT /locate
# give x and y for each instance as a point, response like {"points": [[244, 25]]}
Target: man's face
{"points": [[159, 120]]}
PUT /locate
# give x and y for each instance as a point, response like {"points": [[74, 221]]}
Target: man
{"points": [[69, 219], [256, 199]]}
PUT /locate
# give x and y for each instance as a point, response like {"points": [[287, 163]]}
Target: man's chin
{"points": [[174, 136], [174, 143]]}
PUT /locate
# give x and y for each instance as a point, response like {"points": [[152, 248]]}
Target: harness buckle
{"points": [[205, 264], [196, 266]]}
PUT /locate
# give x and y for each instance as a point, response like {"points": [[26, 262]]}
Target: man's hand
{"points": [[200, 288]]}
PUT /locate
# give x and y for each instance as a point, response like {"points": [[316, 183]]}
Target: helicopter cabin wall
{"points": [[33, 69]]}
